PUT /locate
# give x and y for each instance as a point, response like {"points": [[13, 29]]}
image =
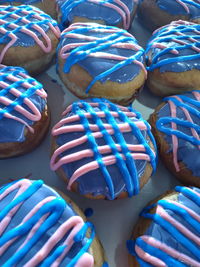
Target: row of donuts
{"points": [[119, 13], [101, 61]]}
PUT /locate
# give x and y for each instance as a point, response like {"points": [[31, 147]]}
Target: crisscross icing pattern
{"points": [[185, 37], [189, 107], [100, 119], [178, 220], [27, 20], [92, 45], [15, 82], [36, 223], [117, 5]]}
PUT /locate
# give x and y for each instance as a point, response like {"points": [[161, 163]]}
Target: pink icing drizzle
{"points": [[13, 25], [65, 54], [61, 127], [35, 115], [75, 223], [174, 126]]}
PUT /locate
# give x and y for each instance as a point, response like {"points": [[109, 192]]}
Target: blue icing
{"points": [[94, 11], [174, 7], [102, 69], [163, 58], [12, 130], [166, 233], [60, 212], [23, 39], [187, 144], [25, 2], [119, 177]]}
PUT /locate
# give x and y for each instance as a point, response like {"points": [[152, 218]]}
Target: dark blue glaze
{"points": [[12, 130], [102, 69], [166, 233], [111, 180], [187, 58], [60, 212], [187, 144], [23, 39], [93, 11]]}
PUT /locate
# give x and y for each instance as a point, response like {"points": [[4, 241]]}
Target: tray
{"points": [[114, 220]]}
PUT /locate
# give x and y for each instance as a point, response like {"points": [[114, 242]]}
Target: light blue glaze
{"points": [[23, 39], [93, 11], [187, 143], [114, 179], [163, 59], [102, 69], [12, 130], [59, 212], [166, 233]]}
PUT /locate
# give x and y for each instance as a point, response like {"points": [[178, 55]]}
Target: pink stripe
{"points": [[178, 225], [148, 258], [109, 160], [183, 5], [170, 251]]}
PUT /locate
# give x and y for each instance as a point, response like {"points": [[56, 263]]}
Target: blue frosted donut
{"points": [[117, 13], [168, 232], [101, 61], [28, 37], [24, 116], [176, 126], [173, 58], [157, 13], [103, 150], [39, 227]]}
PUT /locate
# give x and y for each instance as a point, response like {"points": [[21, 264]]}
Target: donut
{"points": [[103, 150], [176, 127], [24, 116], [28, 38], [173, 59], [47, 6], [117, 13], [156, 13], [101, 61], [42, 227], [168, 231]]}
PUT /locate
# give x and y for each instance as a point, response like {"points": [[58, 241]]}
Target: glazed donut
{"points": [[24, 116], [101, 61], [156, 13], [28, 38], [167, 234], [117, 13], [176, 127], [47, 6], [173, 59], [103, 150], [41, 227]]}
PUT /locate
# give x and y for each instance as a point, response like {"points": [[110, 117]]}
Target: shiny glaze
{"points": [[88, 149], [173, 237], [25, 26], [175, 48], [106, 53], [35, 224]]}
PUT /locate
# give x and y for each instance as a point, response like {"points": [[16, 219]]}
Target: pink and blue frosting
{"points": [[111, 12], [103, 147], [106, 53], [39, 228], [174, 48], [22, 101], [173, 237]]}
